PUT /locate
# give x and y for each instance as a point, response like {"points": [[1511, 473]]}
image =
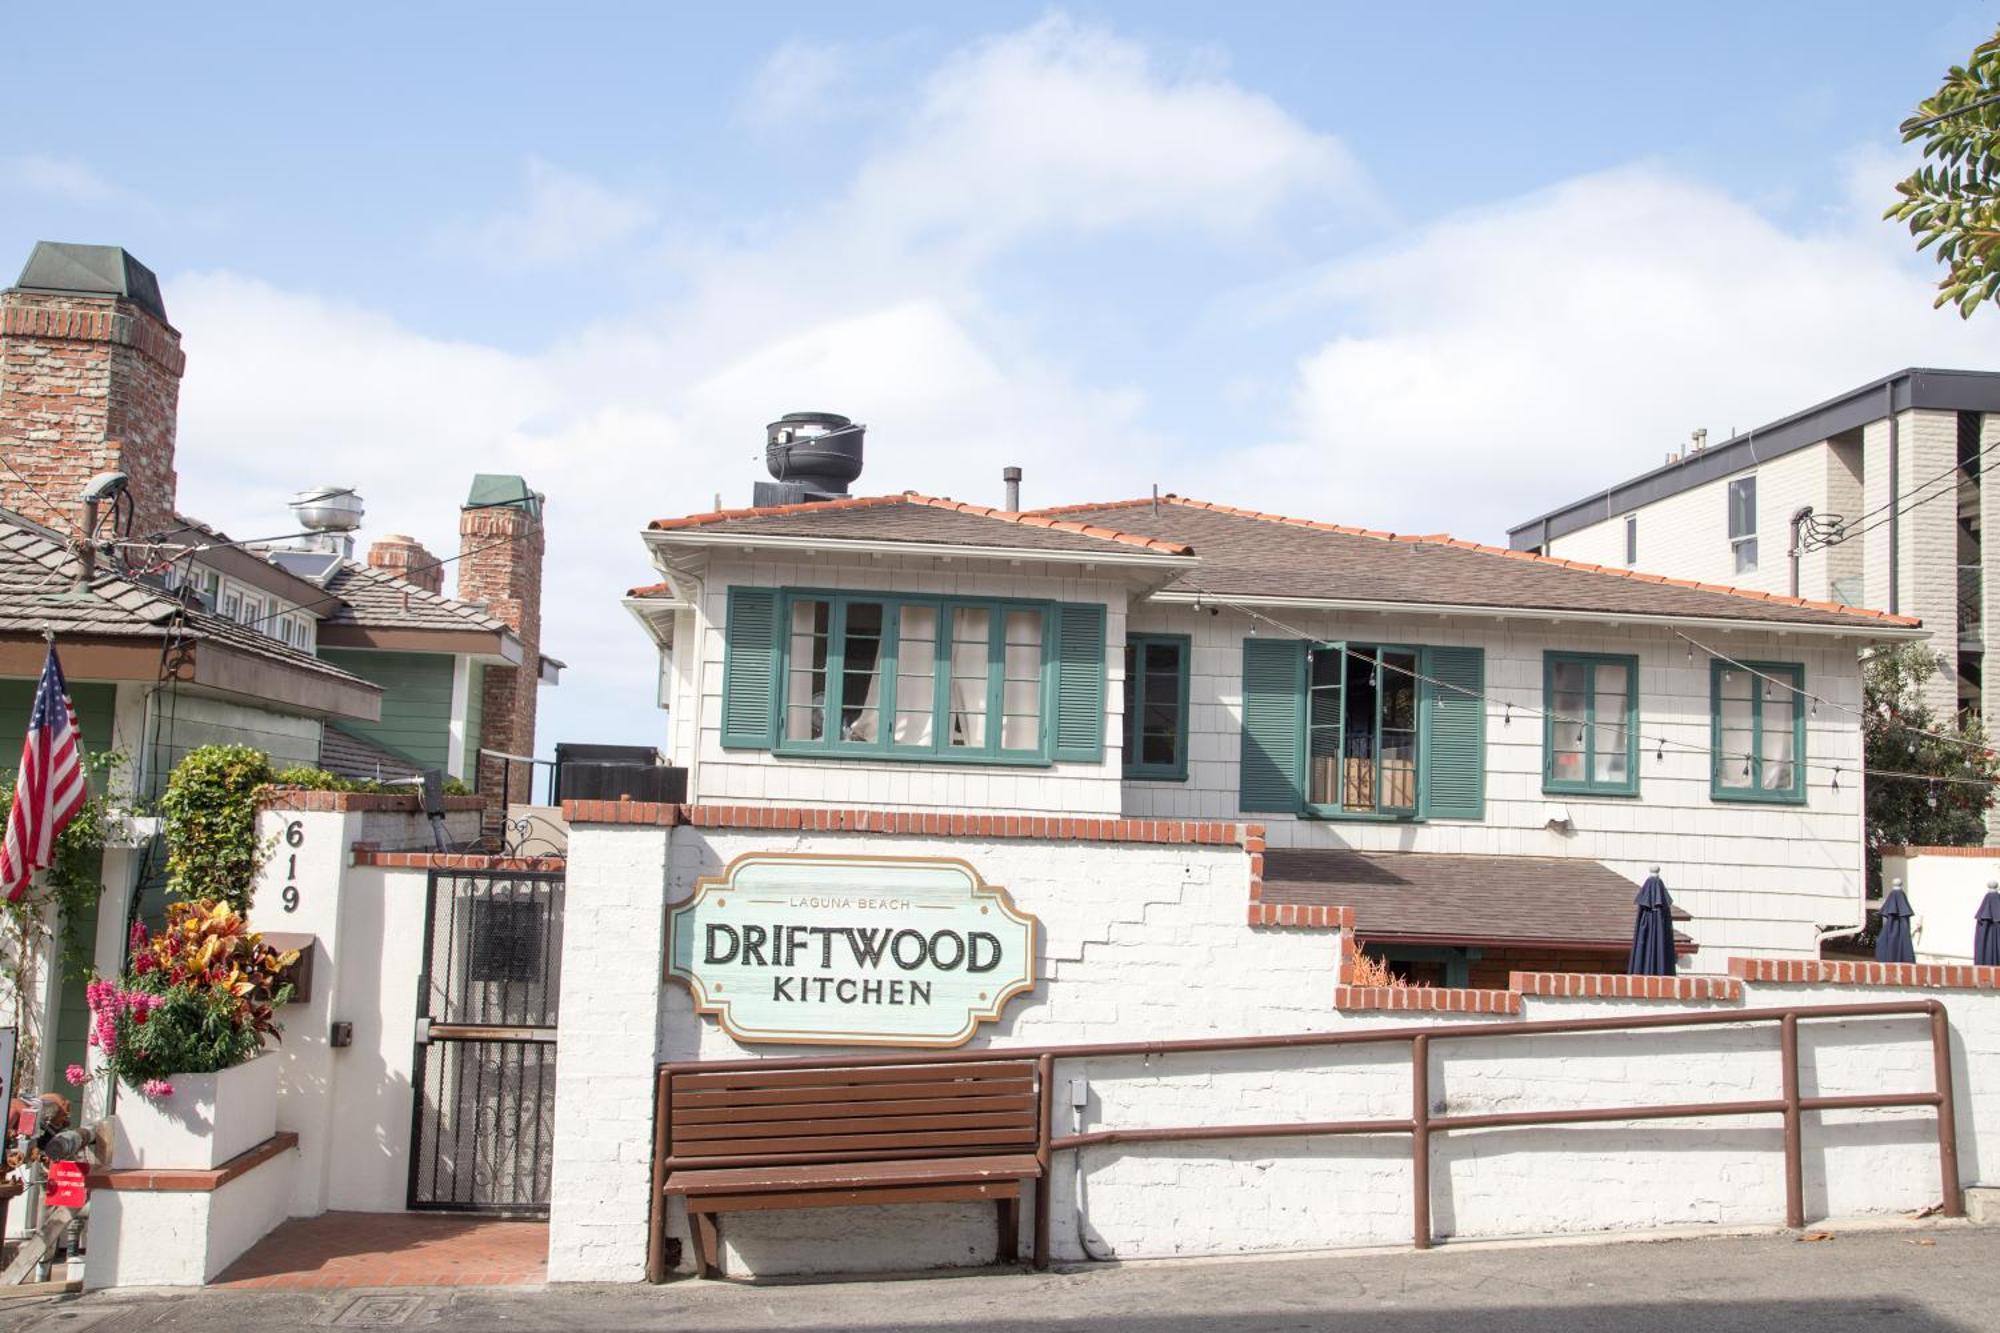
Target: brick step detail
{"points": [[139, 1179]]}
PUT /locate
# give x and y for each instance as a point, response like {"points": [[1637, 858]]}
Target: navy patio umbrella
{"points": [[1653, 932], [1892, 942], [1986, 928]]}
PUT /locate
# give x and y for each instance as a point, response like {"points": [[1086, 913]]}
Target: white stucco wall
{"points": [[183, 1239], [1758, 878], [1945, 887]]}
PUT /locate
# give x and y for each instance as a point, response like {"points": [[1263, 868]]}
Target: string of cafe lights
{"points": [[1654, 741]]}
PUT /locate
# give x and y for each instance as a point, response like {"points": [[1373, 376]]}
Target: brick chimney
{"points": [[90, 378], [500, 565], [406, 558]]}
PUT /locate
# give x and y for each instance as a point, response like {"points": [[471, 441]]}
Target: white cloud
{"points": [[1068, 126], [562, 216], [1510, 359], [59, 177], [801, 81]]}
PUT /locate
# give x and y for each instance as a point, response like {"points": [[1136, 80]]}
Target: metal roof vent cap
{"points": [[328, 509], [812, 455]]}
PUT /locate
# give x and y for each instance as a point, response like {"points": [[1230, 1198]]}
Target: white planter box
{"points": [[209, 1119]]}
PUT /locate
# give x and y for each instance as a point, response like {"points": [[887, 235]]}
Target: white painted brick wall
{"points": [[1149, 942], [607, 1036], [1687, 535], [1757, 878], [1928, 569]]}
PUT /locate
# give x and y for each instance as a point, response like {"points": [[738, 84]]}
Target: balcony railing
{"points": [[1971, 608]]}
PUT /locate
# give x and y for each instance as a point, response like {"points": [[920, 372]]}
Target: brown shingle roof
{"points": [[379, 600], [920, 518], [1245, 553], [1427, 897], [37, 574]]}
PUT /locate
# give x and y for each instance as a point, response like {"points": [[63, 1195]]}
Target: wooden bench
{"points": [[754, 1140]]}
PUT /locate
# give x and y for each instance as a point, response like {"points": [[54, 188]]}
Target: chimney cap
{"points": [[93, 270], [503, 490]]}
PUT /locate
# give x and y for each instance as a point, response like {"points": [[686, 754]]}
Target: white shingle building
{"points": [[1479, 751]]}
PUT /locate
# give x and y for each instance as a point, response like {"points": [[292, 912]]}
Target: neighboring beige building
{"points": [[1873, 499]]}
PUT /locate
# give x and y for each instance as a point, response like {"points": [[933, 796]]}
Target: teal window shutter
{"points": [[1455, 733], [750, 669], [1078, 685], [1274, 698]]}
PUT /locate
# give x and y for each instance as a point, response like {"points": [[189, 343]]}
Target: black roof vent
{"points": [[813, 455], [94, 270]]}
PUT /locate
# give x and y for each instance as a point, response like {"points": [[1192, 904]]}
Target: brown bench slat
{"points": [[956, 1120], [741, 1203], [995, 1087], [835, 1155], [967, 1138], [853, 1175], [1023, 1104], [781, 1078]]}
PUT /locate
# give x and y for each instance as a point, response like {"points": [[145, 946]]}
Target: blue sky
{"points": [[1421, 267]]}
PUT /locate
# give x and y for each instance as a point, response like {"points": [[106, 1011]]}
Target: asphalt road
{"points": [[1919, 1280]]}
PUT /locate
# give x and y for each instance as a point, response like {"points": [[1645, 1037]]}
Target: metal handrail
{"points": [[1420, 1125]]}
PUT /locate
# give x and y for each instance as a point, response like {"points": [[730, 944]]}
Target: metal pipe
{"points": [[1045, 1069], [1798, 522], [86, 546], [1281, 1041], [1788, 1069], [1012, 477], [1947, 1114], [1420, 1141], [1895, 502], [656, 1214], [1298, 1129]]}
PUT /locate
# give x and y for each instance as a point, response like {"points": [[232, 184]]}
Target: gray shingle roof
{"points": [[380, 600], [361, 759], [1248, 554], [1411, 897], [37, 578]]}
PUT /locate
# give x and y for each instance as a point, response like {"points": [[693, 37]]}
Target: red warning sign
{"points": [[66, 1189]]}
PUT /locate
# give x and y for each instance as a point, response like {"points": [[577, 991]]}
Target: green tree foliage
{"points": [[209, 816], [1947, 812], [1952, 202]]}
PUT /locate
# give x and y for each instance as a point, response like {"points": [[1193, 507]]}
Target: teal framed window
{"points": [[1757, 732], [1590, 724], [1362, 741], [940, 679], [1156, 707]]}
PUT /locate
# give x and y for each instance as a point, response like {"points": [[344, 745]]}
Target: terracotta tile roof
{"points": [[380, 600], [37, 575], [1414, 897], [921, 518], [651, 590], [1249, 553]]}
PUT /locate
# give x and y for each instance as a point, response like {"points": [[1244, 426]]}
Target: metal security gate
{"points": [[482, 1132]]}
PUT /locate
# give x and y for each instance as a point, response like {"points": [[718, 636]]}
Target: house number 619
{"points": [[295, 836]]}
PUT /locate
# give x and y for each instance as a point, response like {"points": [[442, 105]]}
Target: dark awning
{"points": [[1452, 899]]}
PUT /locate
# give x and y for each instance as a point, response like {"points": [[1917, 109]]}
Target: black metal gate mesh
{"points": [[482, 1133]]}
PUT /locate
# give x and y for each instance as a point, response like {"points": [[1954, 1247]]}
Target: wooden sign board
{"points": [[850, 950]]}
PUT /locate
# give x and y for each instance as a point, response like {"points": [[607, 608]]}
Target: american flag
{"points": [[50, 789]]}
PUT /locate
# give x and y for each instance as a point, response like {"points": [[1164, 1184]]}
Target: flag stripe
{"points": [[50, 788]]}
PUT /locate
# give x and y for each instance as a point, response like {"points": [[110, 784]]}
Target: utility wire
{"points": [[1654, 740], [1847, 531]]}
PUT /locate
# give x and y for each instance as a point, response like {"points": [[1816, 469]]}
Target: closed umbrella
{"points": [[1986, 928], [1653, 932], [1893, 943]]}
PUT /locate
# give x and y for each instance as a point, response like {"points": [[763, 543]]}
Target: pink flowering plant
{"points": [[200, 996]]}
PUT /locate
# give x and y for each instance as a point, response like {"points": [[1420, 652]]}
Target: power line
{"points": [[1847, 531], [1654, 741]]}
